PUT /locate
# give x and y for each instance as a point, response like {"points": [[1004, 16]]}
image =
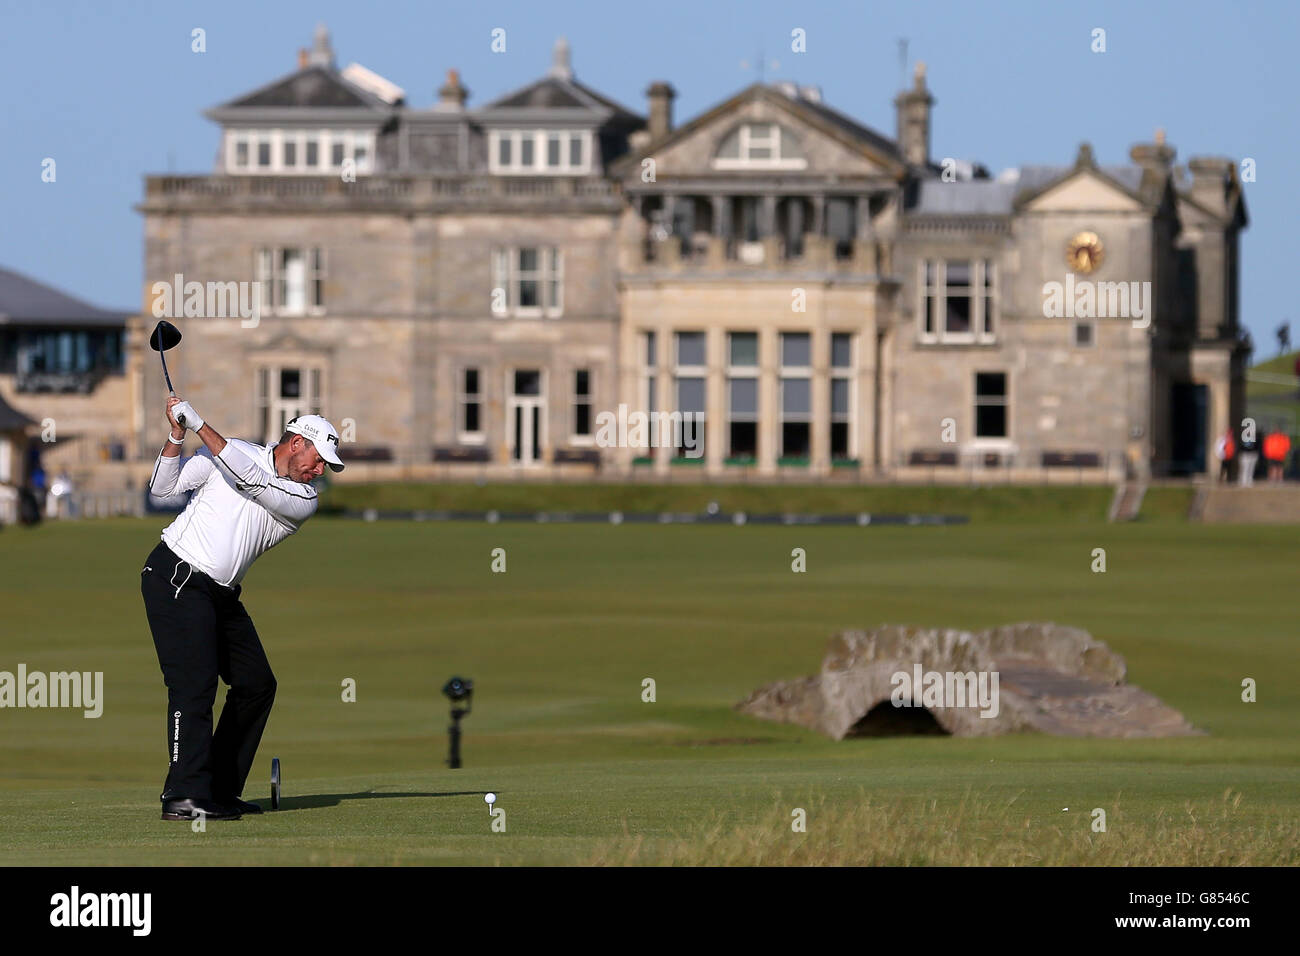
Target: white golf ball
{"points": [[490, 798]]}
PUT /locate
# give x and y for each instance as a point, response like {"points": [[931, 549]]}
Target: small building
{"points": [[16, 431], [62, 364]]}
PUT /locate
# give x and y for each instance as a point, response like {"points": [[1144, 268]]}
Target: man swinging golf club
{"points": [[247, 499]]}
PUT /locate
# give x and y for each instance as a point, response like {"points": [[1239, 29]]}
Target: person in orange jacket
{"points": [[1276, 447]]}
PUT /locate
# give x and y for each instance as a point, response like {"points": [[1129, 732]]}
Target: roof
{"points": [[312, 86], [11, 419], [554, 92], [997, 197], [817, 114], [851, 126], [24, 301]]}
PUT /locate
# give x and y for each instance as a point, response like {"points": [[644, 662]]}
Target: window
{"points": [[582, 404], [691, 387], [796, 395], [291, 151], [293, 280], [760, 146], [1083, 334], [649, 371], [537, 151], [285, 391], [742, 395], [989, 312], [65, 353], [841, 396], [990, 405], [958, 301], [528, 281], [470, 399]]}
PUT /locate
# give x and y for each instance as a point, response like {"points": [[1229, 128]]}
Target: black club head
{"points": [[165, 336]]}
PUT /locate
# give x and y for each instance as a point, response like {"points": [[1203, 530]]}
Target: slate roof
{"points": [[313, 86], [997, 197], [553, 92], [25, 301], [11, 419]]}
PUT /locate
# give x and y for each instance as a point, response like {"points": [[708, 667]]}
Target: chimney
{"points": [[661, 96], [452, 96], [1212, 178], [302, 58], [561, 68], [1156, 156], [322, 54], [914, 120]]}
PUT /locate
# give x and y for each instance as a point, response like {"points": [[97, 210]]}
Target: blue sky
{"points": [[112, 92]]}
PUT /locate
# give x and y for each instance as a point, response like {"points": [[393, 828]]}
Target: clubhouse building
{"points": [[482, 290]]}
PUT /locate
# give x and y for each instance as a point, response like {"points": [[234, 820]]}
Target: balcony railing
{"points": [[394, 190], [82, 383]]}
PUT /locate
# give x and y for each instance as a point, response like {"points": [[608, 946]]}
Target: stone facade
{"points": [[467, 290]]}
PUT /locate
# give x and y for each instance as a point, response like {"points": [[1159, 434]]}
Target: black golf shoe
{"points": [[189, 808], [243, 806]]}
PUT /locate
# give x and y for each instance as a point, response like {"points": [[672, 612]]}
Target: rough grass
{"points": [[973, 830]]}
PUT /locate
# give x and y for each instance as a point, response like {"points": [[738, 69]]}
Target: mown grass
{"points": [[559, 646]]}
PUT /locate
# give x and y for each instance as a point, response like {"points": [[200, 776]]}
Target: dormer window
{"points": [[298, 151], [540, 152], [760, 146]]}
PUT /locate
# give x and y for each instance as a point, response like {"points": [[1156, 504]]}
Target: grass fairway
{"points": [[586, 772]]}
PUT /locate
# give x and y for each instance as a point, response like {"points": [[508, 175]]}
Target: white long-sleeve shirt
{"points": [[239, 510]]}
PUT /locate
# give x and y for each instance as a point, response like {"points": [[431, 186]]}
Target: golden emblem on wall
{"points": [[1084, 252]]}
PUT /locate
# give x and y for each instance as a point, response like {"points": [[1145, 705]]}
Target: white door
{"points": [[526, 417]]}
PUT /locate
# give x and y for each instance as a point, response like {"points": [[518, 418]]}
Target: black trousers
{"points": [[201, 631]]}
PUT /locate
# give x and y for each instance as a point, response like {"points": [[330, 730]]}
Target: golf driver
{"points": [[275, 783], [166, 336]]}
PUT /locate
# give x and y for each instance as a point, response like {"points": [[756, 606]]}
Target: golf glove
{"points": [[184, 412]]}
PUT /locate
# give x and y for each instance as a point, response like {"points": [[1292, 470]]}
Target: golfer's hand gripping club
{"points": [[183, 415]]}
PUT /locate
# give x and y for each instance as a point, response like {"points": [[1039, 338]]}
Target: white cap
{"points": [[321, 434]]}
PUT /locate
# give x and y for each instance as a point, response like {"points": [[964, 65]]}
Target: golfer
{"points": [[247, 499]]}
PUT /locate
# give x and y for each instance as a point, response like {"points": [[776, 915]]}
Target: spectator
{"points": [[1276, 447], [1246, 462], [1225, 449]]}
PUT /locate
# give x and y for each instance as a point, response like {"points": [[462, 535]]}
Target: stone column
{"points": [[664, 397], [795, 231], [819, 215], [885, 415], [715, 400], [769, 360], [820, 407]]}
